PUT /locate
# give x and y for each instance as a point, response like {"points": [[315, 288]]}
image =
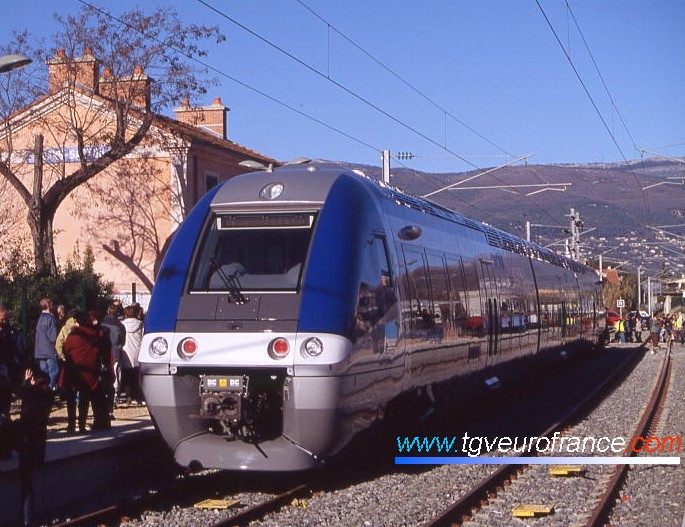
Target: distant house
{"points": [[128, 212]]}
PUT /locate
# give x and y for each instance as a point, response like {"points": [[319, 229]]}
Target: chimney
{"points": [[135, 89], [210, 118], [81, 72]]}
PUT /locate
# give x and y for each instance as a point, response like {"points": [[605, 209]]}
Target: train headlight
{"points": [[279, 348], [159, 347], [312, 347], [187, 348]]}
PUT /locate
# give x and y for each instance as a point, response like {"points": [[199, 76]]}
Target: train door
{"points": [[489, 298]]}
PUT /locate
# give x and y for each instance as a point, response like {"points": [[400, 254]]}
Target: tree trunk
{"points": [[43, 249], [40, 218]]}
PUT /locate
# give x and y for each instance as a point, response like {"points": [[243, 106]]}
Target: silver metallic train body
{"points": [[294, 306]]}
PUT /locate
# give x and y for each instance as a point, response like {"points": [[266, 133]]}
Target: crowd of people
{"points": [[81, 359], [665, 329], [89, 360]]}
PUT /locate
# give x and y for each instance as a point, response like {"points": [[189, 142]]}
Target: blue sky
{"points": [[494, 65]]}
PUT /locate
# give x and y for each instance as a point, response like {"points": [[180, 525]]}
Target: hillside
{"points": [[609, 197]]}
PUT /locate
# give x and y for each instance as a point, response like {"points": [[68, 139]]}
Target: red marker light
{"points": [[187, 348], [279, 348]]}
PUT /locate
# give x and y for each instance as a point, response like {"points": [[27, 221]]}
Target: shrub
{"points": [[76, 285]]}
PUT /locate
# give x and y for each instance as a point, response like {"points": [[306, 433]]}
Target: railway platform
{"points": [[130, 421], [79, 467]]}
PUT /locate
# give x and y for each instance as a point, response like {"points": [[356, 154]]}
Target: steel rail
{"points": [[606, 503], [259, 510], [479, 495]]}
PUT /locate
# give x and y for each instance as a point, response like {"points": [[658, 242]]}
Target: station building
{"points": [[128, 212]]}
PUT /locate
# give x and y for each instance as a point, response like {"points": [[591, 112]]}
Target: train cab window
{"points": [[253, 252]]}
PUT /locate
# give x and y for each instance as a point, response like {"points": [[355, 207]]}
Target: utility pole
{"points": [[576, 228], [639, 288], [385, 158]]}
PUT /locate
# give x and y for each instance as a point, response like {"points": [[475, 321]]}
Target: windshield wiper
{"points": [[231, 281]]}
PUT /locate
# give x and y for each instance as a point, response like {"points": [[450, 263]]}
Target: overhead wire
{"points": [[252, 88], [288, 106], [594, 104], [403, 80], [349, 91], [599, 73], [238, 81], [334, 82]]}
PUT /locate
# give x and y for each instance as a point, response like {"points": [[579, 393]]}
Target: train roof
{"points": [[308, 185]]}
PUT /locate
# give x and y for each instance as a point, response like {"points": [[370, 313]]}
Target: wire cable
{"points": [[336, 83], [403, 80], [285, 105], [354, 94], [594, 105], [594, 62], [237, 81]]}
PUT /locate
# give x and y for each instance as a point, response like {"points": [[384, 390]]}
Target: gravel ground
{"points": [[411, 496], [399, 499], [184, 516], [573, 498], [655, 495]]}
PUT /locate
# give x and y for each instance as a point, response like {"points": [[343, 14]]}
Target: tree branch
{"points": [[116, 252], [61, 189]]}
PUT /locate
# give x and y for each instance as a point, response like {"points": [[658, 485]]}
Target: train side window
{"points": [[376, 293], [457, 283], [440, 293], [418, 313], [475, 323]]}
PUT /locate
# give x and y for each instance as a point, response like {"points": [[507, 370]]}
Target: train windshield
{"points": [[253, 252]]}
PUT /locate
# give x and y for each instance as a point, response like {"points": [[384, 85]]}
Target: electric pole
{"points": [[385, 158], [576, 229]]}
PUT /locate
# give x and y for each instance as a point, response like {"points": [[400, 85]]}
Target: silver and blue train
{"points": [[295, 307]]}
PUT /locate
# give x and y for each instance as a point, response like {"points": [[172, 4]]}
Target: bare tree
{"points": [[104, 129], [131, 212]]}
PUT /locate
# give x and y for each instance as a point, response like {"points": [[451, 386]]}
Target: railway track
{"points": [[259, 507], [188, 489], [498, 483]]}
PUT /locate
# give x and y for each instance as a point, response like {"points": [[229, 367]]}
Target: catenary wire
{"points": [[353, 93], [594, 62], [594, 105], [403, 80], [259, 92], [238, 81], [336, 83], [299, 112]]}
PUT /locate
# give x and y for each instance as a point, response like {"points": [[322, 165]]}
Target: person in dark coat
{"points": [[88, 371], [46, 335], [117, 337], [30, 434], [12, 360]]}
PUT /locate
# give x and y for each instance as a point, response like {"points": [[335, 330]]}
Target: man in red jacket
{"points": [[88, 371]]}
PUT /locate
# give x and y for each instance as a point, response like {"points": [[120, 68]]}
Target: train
{"points": [[296, 306]]}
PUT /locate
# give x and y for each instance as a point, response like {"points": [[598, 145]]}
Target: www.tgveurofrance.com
{"points": [[556, 448]]}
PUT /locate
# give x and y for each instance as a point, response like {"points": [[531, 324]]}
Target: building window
{"points": [[211, 181]]}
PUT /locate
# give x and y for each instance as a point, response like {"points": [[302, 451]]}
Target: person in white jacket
{"points": [[129, 371]]}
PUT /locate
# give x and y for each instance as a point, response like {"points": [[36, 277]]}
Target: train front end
{"points": [[230, 378]]}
